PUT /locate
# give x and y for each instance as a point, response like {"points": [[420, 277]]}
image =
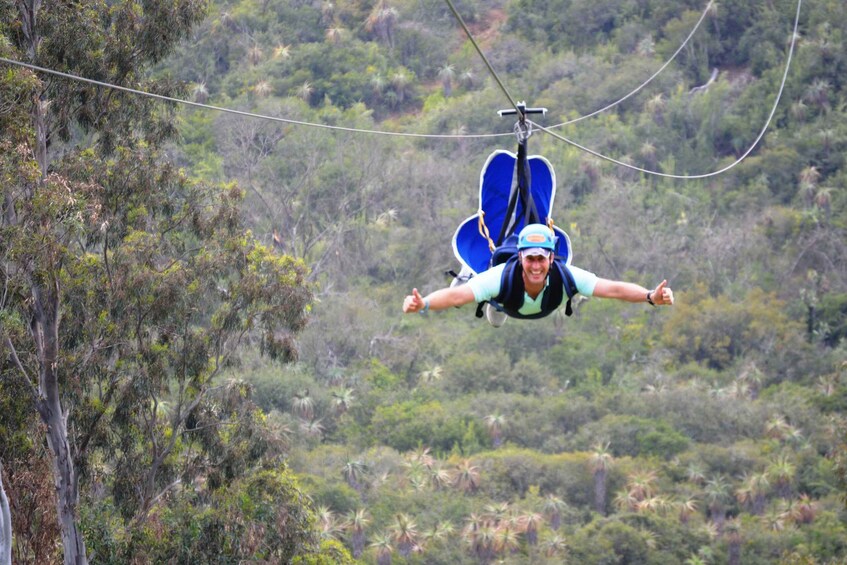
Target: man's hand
{"points": [[413, 302], [662, 295]]}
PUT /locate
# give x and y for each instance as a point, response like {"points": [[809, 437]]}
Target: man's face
{"points": [[535, 267]]}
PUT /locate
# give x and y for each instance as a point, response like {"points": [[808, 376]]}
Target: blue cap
{"points": [[536, 236]]}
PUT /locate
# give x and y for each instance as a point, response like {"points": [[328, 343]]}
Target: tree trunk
{"points": [[67, 492], [734, 557], [45, 332], [600, 491], [5, 525]]}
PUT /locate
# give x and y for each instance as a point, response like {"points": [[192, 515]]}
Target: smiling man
{"points": [[533, 284]]}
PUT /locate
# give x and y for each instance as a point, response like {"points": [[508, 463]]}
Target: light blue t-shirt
{"points": [[486, 286]]}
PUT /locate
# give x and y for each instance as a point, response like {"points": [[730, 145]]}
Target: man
{"points": [[536, 243]]}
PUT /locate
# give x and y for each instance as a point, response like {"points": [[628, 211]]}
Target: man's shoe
{"points": [[494, 316]]}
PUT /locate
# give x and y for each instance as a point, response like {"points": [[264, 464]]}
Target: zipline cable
{"points": [[647, 171], [714, 173], [357, 130], [241, 112], [483, 57], [646, 82]]}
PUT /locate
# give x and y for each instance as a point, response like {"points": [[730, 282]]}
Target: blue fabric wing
{"points": [[495, 184]]}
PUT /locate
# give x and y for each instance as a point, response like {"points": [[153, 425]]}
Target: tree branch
{"points": [[24, 376]]}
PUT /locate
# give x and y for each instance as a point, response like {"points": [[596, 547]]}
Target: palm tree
{"points": [[467, 476], [303, 405], [555, 546], [356, 523], [497, 513], [817, 93], [823, 199], [733, 538], [717, 493], [809, 178], [753, 377], [438, 533], [798, 110], [404, 532], [753, 491], [400, 81], [446, 74], [774, 519], [353, 472], [199, 93], [304, 91], [384, 548], [553, 507], [312, 428], [378, 84], [254, 55], [282, 51], [803, 511], [432, 375], [382, 21], [625, 501], [695, 474], [647, 151], [654, 505], [422, 456], [482, 538], [439, 478], [782, 470], [641, 484], [342, 400], [468, 78], [495, 424], [656, 106], [334, 34], [329, 526], [529, 525], [685, 508], [506, 540], [600, 461], [262, 89], [646, 46]]}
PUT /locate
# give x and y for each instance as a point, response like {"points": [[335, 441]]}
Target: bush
{"points": [[633, 436], [408, 425]]}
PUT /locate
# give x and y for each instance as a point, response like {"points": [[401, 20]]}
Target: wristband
{"points": [[426, 306], [650, 300]]}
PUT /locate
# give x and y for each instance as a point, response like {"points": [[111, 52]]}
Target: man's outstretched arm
{"points": [[662, 295], [438, 300]]}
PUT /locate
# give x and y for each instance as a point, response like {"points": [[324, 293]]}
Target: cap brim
{"points": [[531, 251]]}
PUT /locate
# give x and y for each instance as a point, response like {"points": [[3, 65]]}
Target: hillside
{"points": [[710, 432]]}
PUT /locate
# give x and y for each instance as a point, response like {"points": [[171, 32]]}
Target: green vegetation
{"points": [[201, 340]]}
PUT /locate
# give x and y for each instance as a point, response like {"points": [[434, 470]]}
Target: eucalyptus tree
{"points": [[5, 525], [127, 286]]}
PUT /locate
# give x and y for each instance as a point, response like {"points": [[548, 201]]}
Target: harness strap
{"points": [[521, 188], [483, 231], [561, 284]]}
